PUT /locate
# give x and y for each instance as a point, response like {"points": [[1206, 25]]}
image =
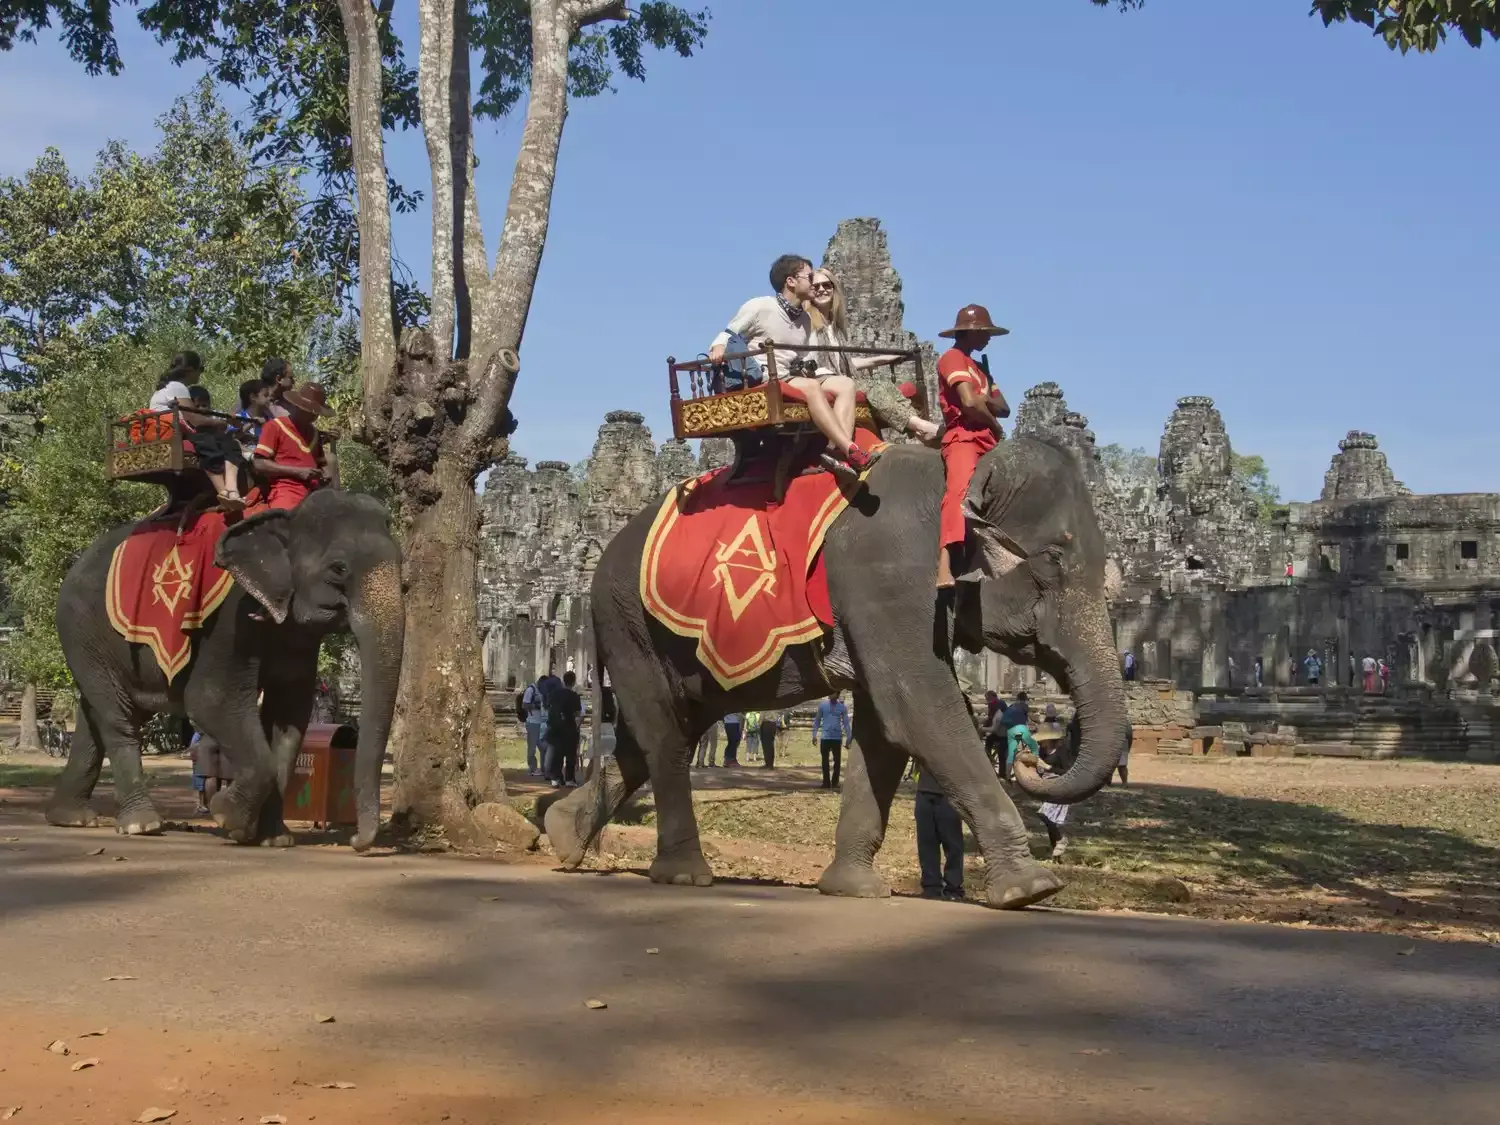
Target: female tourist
{"points": [[845, 374]]}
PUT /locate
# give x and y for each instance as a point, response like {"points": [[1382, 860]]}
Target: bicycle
{"points": [[57, 740]]}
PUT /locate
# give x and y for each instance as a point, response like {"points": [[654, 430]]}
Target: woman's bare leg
{"points": [[822, 413], [843, 402]]}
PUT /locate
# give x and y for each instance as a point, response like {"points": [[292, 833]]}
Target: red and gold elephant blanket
{"points": [[728, 566], [162, 585]]}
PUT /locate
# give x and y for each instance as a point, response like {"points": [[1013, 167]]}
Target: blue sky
{"points": [[1217, 198]]}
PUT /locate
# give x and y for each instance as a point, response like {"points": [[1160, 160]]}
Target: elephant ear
{"points": [[999, 553], [255, 552]]}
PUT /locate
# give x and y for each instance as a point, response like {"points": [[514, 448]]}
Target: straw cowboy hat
{"points": [[974, 318], [309, 397]]}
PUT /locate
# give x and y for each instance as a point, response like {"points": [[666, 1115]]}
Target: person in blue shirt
{"points": [[1312, 667], [734, 726], [1013, 720], [832, 734]]}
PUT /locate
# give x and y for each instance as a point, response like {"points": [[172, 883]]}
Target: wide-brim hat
{"points": [[974, 318], [309, 397]]}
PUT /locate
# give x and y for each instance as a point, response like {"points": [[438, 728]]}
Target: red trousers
{"points": [[959, 459]]}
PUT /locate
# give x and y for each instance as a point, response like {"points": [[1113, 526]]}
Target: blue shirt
{"points": [[832, 723], [734, 720], [1015, 715]]}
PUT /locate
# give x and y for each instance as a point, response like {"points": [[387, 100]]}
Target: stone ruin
{"points": [[1204, 596]]}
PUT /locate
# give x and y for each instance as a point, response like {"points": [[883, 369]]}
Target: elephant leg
{"points": [[285, 711], [875, 770], [922, 710], [237, 729], [69, 807], [119, 733], [575, 821], [679, 854]]}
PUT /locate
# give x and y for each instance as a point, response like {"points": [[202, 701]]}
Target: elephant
{"points": [[1041, 599], [328, 564]]}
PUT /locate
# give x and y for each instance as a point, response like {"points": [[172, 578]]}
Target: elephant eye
{"points": [[338, 568]]}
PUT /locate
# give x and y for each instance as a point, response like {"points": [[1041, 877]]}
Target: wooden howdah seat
{"points": [[149, 446], [769, 422]]}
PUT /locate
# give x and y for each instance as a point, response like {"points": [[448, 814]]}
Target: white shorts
{"points": [[1057, 814]]}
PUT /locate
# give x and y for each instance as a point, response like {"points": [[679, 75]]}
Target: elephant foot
{"points": [[851, 880], [564, 833], [71, 814], [280, 837], [139, 820], [1020, 886], [230, 814], [681, 870]]}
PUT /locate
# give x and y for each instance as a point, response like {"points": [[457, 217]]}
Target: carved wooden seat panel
{"points": [[148, 446]]}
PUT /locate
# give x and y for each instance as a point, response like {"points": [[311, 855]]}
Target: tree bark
{"points": [[30, 739], [377, 326]]}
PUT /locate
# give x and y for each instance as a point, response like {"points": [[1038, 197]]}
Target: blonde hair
{"points": [[838, 313]]}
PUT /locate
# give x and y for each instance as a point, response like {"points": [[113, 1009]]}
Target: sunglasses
{"points": [[819, 286]]}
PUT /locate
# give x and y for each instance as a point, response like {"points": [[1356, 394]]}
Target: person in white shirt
{"points": [[830, 323], [218, 453], [782, 323]]}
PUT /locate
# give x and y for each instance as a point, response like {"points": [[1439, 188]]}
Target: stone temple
{"points": [[1210, 584]]}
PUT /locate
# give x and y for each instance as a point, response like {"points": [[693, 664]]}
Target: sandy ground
{"points": [[459, 988]]}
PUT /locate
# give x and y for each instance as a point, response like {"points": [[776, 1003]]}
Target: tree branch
{"points": [[582, 13], [377, 326], [436, 50]]}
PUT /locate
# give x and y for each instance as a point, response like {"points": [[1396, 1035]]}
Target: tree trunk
{"points": [[31, 738]]}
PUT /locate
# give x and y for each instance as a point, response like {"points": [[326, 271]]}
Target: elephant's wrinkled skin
{"points": [[891, 645], [327, 565]]}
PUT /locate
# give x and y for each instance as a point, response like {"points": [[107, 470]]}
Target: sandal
{"points": [[231, 502], [860, 459]]}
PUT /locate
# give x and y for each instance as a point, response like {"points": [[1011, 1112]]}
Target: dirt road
{"points": [[459, 990]]}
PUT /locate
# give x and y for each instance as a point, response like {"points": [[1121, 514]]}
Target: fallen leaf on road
{"points": [[653, 951], [595, 1004], [273, 1119], [324, 1019], [490, 898], [10, 839], [1407, 952], [119, 859], [9, 1112], [100, 1031], [123, 976], [335, 1085], [1096, 1051], [96, 851], [57, 1047], [84, 1064], [153, 1114]]}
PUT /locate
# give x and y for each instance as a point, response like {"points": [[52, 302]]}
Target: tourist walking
{"points": [[1369, 668], [752, 735], [940, 840], [1385, 676], [708, 746], [994, 738], [1260, 671], [733, 726], [770, 723], [831, 733], [564, 706], [1129, 666]]}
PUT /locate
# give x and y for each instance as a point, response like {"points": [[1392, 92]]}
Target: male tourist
{"points": [[782, 323], [290, 451], [1367, 666], [734, 726], [972, 409], [1260, 671], [564, 706], [1129, 666], [254, 413], [276, 373], [939, 831], [831, 733]]}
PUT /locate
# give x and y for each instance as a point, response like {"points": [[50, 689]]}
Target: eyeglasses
{"points": [[819, 286]]}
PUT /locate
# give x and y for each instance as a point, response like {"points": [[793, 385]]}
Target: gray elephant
{"points": [[1045, 605], [329, 564]]}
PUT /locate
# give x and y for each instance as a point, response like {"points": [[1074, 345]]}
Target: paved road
{"points": [[756, 993]]}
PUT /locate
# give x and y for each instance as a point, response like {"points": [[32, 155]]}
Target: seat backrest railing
{"points": [[705, 377]]}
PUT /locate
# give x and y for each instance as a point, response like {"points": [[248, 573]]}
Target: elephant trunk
{"points": [[1094, 681], [377, 617]]}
